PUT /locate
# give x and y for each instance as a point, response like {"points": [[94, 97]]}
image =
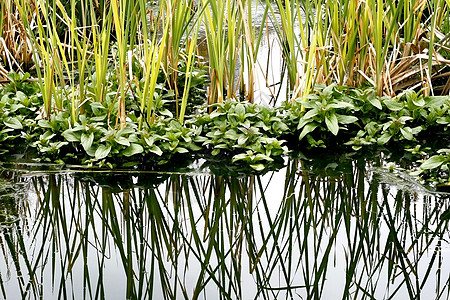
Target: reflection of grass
{"points": [[196, 237]]}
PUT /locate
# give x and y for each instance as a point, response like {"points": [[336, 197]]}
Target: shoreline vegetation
{"points": [[120, 84]]}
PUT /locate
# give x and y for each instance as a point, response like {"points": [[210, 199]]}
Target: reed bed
{"points": [[89, 51]]}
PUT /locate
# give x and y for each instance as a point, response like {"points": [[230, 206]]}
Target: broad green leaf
{"points": [[45, 124], [240, 110], [13, 123], [257, 167], [242, 140], [433, 162], [72, 136], [122, 141], [311, 113], [87, 140], [393, 105], [58, 145], [419, 102], [215, 152], [231, 134], [124, 131], [181, 150], [133, 149], [407, 133], [341, 104], [155, 149], [102, 151], [241, 156], [307, 129], [332, 124], [221, 146], [99, 118], [342, 119], [280, 127], [375, 102], [194, 147], [403, 119], [149, 140], [384, 138]]}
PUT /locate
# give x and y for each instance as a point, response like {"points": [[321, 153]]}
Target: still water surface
{"points": [[352, 232]]}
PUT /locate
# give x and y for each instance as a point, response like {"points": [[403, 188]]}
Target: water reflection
{"points": [[291, 234]]}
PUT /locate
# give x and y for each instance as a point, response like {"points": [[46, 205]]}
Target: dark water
{"points": [[356, 232]]}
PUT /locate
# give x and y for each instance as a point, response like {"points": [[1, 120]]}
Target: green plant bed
{"points": [[238, 135]]}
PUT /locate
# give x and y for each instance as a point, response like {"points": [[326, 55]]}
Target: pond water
{"points": [[352, 232]]}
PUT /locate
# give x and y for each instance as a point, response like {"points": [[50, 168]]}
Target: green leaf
{"points": [[133, 149], [384, 138], [231, 134], [407, 133], [87, 140], [240, 110], [257, 167], [71, 135], [375, 102], [122, 141], [102, 151], [45, 124], [181, 150], [307, 129], [242, 140], [341, 104], [155, 149], [13, 123], [332, 124], [393, 105], [215, 152], [280, 127], [433, 162], [241, 156], [311, 113], [342, 119]]}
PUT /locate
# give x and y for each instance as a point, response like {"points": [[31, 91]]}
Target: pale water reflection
{"points": [[290, 234]]}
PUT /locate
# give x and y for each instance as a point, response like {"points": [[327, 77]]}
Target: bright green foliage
{"points": [[250, 130], [241, 133]]}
